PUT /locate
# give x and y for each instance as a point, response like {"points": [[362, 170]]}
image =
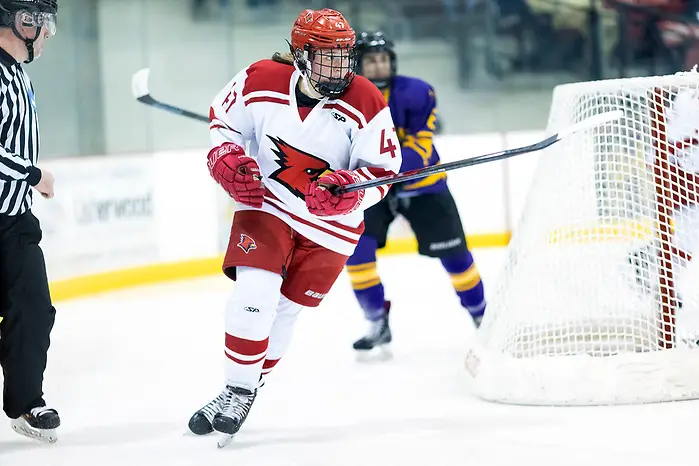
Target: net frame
{"points": [[629, 351]]}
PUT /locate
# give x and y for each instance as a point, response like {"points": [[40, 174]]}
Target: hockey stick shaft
{"points": [[434, 169], [172, 109], [586, 124], [141, 91]]}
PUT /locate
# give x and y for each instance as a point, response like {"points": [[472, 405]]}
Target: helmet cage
{"points": [[328, 70]]}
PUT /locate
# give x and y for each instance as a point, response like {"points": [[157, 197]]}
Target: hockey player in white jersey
{"points": [[682, 128], [682, 152], [308, 123]]}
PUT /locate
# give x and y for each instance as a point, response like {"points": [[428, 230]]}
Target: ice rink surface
{"points": [[127, 370]]}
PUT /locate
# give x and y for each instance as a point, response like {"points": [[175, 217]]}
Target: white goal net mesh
{"points": [[599, 300]]}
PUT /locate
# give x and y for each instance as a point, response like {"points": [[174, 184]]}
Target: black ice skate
{"points": [[378, 337], [39, 424], [201, 422], [646, 271], [235, 411], [643, 262]]}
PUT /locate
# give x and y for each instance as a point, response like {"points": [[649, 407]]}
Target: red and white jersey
{"points": [[353, 132], [682, 130]]}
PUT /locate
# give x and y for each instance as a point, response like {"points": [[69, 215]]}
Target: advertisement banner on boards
{"points": [[102, 216]]}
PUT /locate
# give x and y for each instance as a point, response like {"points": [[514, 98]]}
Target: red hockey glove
{"points": [[237, 173], [320, 201]]}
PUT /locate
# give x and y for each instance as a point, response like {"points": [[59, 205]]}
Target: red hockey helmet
{"points": [[322, 42]]}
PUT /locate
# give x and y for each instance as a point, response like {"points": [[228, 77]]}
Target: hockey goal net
{"points": [[599, 299]]}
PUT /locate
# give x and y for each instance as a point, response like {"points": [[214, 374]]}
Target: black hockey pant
{"points": [[26, 311]]}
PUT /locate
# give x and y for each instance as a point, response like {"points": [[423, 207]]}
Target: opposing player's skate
{"points": [[201, 423], [235, 410], [643, 262], [39, 424], [375, 345]]}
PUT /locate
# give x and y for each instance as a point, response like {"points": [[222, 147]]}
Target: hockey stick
{"points": [[142, 93], [583, 125], [139, 85]]}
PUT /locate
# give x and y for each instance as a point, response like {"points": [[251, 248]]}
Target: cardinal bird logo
{"points": [[247, 244], [297, 168]]}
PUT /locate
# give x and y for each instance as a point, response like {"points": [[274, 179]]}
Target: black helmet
{"points": [[372, 42], [41, 6], [40, 13]]}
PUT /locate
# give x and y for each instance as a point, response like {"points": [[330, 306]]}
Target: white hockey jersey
{"points": [[682, 137], [682, 130], [354, 131]]}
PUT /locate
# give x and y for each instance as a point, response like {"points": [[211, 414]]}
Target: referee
{"points": [[25, 304]]}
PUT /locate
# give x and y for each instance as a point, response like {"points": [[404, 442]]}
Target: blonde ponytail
{"points": [[285, 58]]}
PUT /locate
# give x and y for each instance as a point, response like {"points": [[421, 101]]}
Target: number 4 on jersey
{"points": [[387, 145]]}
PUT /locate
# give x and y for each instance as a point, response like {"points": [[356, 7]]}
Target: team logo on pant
{"points": [[296, 167], [247, 244]]}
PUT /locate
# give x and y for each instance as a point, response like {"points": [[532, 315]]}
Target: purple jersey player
{"points": [[426, 204]]}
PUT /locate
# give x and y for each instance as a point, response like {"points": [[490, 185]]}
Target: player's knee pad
{"points": [[288, 308], [458, 262], [282, 328], [365, 252], [253, 306], [287, 314]]}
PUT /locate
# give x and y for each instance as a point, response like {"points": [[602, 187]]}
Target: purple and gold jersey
{"points": [[414, 110]]}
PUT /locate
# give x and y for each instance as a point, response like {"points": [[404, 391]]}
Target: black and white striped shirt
{"points": [[19, 138]]}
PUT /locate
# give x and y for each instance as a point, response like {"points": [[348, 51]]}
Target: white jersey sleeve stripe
{"points": [[272, 94]]}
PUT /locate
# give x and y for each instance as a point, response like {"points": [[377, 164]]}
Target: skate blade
{"points": [[376, 354], [42, 435], [189, 433], [225, 440]]}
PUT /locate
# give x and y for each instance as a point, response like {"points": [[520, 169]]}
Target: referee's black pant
{"points": [[28, 316]]}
